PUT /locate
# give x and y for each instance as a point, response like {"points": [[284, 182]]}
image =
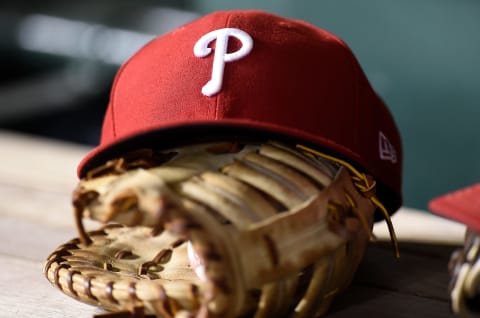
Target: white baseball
{"points": [[196, 262]]}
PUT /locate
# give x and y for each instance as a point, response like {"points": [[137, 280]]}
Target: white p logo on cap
{"points": [[221, 56]]}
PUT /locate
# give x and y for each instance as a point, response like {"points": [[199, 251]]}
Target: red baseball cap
{"points": [[252, 75]]}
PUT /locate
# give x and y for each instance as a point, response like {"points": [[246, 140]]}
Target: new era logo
{"points": [[386, 149]]}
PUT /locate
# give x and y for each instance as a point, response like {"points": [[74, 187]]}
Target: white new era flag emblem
{"points": [[386, 149]]}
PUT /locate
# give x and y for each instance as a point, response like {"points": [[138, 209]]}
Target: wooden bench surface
{"points": [[37, 177]]}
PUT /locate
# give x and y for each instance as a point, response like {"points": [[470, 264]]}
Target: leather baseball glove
{"points": [[217, 230]]}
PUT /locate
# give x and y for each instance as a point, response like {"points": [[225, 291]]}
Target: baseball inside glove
{"points": [[217, 230]]}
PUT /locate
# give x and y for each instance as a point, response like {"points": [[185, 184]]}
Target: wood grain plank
{"points": [[29, 240], [360, 301], [415, 285], [41, 206], [39, 162], [420, 271], [24, 292]]}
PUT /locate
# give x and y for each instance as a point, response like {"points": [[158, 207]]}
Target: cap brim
{"points": [[181, 134]]}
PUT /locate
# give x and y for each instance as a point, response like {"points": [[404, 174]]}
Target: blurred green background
{"points": [[421, 56]]}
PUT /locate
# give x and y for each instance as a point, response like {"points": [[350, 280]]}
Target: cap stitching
{"points": [[112, 97]]}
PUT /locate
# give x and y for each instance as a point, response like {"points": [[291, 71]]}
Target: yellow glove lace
{"points": [[366, 185]]}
